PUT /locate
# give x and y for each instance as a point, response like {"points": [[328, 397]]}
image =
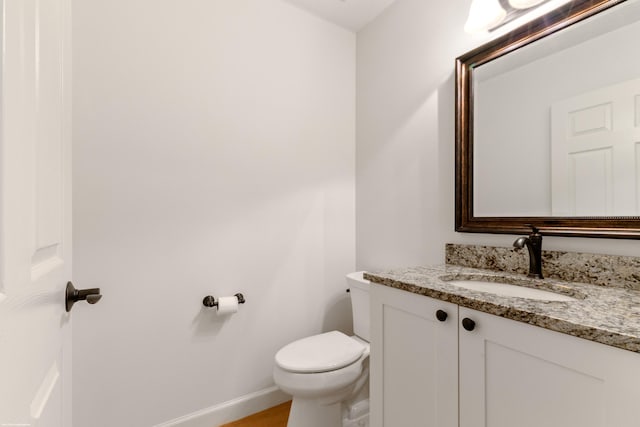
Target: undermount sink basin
{"points": [[509, 290]]}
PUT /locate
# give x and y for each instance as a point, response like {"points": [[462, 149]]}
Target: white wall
{"points": [[405, 142], [213, 153], [405, 113]]}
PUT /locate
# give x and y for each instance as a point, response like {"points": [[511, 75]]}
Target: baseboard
{"points": [[231, 410]]}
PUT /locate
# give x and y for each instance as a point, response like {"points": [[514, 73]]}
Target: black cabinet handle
{"points": [[468, 324], [441, 315]]}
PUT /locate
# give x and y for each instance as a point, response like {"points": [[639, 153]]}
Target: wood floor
{"points": [[272, 417]]}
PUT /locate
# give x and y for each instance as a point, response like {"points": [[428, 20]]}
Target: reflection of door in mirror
{"points": [[595, 152], [512, 95]]}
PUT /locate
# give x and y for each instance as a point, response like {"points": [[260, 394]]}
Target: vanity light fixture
{"points": [[484, 15], [524, 4]]}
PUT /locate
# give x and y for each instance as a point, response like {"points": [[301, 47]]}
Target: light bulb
{"points": [[524, 4], [484, 15]]}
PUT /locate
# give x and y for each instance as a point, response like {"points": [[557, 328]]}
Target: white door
{"points": [[595, 155], [35, 215]]}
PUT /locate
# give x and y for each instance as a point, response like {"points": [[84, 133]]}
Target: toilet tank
{"points": [[359, 289]]}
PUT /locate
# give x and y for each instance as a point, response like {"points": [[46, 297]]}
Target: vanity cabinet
{"points": [[509, 373], [512, 373], [413, 361]]}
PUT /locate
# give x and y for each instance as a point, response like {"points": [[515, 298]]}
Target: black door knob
{"points": [[73, 295], [468, 324], [441, 315]]}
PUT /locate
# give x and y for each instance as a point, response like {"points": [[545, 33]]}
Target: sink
{"points": [[508, 289]]}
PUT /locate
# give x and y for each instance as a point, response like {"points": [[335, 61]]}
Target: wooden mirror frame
{"points": [[465, 221]]}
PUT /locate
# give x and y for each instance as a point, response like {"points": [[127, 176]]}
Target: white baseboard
{"points": [[231, 410]]}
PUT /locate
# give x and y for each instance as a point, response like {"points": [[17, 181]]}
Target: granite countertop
{"points": [[603, 314]]}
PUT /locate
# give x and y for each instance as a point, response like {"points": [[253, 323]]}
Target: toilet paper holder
{"points": [[210, 301]]}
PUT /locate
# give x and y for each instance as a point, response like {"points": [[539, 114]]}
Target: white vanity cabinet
{"points": [[515, 374], [509, 373], [414, 360]]}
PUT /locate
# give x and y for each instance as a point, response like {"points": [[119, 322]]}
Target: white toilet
{"points": [[328, 374]]}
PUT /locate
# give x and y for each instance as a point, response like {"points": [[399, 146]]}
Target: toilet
{"points": [[328, 374]]}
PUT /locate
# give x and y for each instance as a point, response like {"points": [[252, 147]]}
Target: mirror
{"points": [[548, 126]]}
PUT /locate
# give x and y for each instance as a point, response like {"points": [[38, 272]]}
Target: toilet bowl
{"points": [[328, 374]]}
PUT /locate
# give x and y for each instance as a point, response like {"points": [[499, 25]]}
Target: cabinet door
{"points": [[414, 360], [514, 374]]}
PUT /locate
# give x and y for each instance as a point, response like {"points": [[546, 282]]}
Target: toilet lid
{"points": [[320, 353]]}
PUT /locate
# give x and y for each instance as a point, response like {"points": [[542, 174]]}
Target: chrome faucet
{"points": [[534, 245]]}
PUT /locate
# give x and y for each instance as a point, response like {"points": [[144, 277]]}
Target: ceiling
{"points": [[350, 14]]}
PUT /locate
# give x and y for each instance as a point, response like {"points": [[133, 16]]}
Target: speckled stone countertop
{"points": [[597, 269], [608, 315]]}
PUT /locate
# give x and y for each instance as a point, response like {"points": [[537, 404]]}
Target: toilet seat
{"points": [[320, 353]]}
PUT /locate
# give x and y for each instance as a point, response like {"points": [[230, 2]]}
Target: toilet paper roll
{"points": [[227, 305]]}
